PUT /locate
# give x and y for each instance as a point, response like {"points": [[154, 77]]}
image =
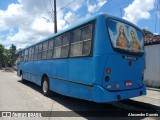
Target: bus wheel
{"points": [[22, 79], [45, 87]]}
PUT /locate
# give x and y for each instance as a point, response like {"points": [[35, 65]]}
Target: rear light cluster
{"points": [[128, 83], [107, 78], [108, 71]]}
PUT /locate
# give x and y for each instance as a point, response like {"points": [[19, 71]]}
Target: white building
{"points": [[152, 71]]}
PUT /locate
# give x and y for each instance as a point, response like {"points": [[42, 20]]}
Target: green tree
{"points": [[6, 55], [146, 32], [13, 55], [1, 55]]}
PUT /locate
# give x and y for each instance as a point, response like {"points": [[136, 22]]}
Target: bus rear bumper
{"points": [[102, 95]]}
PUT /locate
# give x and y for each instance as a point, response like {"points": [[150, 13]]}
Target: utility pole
{"points": [[55, 17], [156, 19]]}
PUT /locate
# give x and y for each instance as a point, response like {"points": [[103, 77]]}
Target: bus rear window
{"points": [[125, 37]]}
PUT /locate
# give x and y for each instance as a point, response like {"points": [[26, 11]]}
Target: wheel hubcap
{"points": [[45, 86]]}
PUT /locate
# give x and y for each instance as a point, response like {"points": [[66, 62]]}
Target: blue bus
{"points": [[100, 59]]}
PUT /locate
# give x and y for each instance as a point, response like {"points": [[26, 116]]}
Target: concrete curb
{"points": [[154, 89]]}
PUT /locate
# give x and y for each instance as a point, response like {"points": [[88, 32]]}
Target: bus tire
{"points": [[45, 86], [22, 79]]}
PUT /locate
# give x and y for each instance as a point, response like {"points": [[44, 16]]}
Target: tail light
{"points": [[108, 70], [128, 83], [107, 78]]}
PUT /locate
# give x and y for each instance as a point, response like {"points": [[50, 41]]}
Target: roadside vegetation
{"points": [[8, 57]]}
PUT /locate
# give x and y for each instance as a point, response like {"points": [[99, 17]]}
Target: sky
{"points": [[24, 22]]}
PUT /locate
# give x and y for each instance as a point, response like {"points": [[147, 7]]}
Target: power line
{"points": [[55, 12], [47, 9], [45, 5], [49, 12], [66, 5], [51, 5], [52, 10]]}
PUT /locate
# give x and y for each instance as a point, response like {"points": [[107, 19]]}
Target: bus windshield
{"points": [[125, 37]]}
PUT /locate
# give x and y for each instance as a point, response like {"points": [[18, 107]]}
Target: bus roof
{"points": [[80, 23]]}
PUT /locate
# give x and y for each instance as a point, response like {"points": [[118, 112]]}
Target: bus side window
{"points": [[32, 53], [26, 55], [57, 47], [22, 56], [87, 37], [39, 51], [36, 52], [65, 45], [81, 41], [44, 53], [19, 57], [76, 44], [50, 49]]}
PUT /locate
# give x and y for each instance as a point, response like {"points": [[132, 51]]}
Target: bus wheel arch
{"points": [[20, 73], [22, 78], [45, 85]]}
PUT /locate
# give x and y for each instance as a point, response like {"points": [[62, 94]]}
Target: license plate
{"points": [[128, 83]]}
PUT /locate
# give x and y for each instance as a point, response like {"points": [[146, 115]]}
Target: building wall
{"points": [[152, 71]]}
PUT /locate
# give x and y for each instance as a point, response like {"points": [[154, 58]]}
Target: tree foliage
{"points": [[1, 55], [8, 56], [146, 32]]}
